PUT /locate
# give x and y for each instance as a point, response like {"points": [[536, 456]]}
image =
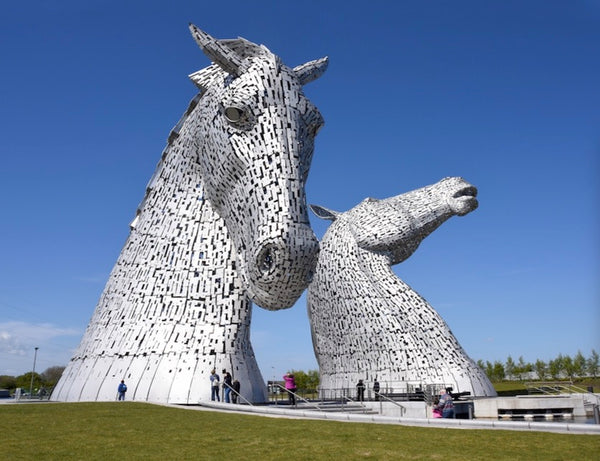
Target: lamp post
{"points": [[32, 373], [273, 388]]}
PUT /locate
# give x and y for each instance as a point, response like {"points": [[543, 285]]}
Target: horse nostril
{"points": [[265, 260], [469, 191]]}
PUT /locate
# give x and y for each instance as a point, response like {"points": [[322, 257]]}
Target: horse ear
{"points": [[311, 70], [324, 213], [218, 53]]}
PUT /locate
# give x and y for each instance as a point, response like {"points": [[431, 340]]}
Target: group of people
{"points": [[443, 406], [360, 390], [229, 385]]}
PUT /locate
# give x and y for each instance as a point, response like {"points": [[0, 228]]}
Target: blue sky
{"points": [[503, 93]]}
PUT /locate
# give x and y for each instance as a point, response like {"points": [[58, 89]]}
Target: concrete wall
{"points": [[489, 408]]}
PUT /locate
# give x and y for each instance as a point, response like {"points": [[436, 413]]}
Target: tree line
{"points": [[561, 367], [46, 379]]}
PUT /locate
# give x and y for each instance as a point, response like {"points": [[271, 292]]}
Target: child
{"points": [[437, 412]]}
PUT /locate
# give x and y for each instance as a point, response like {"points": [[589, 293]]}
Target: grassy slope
{"points": [[131, 431]]}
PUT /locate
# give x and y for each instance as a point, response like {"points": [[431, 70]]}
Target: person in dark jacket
{"points": [[226, 385], [360, 391], [236, 389], [376, 389]]}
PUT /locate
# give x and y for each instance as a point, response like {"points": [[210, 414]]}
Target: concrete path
{"points": [[289, 412]]}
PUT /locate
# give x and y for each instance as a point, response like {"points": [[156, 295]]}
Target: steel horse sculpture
{"points": [[223, 222], [368, 324]]}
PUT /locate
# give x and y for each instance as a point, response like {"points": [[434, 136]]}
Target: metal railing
{"points": [[558, 387], [550, 387], [296, 397], [342, 396], [396, 390], [41, 394], [238, 395], [379, 396]]}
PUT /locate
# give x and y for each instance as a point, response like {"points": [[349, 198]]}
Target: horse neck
{"points": [[174, 210], [342, 263]]}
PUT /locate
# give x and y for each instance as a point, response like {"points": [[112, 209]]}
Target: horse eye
{"points": [[233, 114]]}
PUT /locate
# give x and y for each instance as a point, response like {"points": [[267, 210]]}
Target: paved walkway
{"points": [[289, 412]]}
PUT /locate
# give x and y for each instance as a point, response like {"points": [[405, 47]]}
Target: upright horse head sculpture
{"points": [[223, 222], [254, 156]]}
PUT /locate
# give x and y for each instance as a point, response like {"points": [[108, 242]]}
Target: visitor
{"points": [[226, 385], [122, 389], [360, 391], [214, 386], [376, 389], [236, 391], [290, 387], [446, 404]]}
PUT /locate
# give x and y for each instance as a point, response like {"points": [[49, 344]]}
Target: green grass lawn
{"points": [[132, 431]]}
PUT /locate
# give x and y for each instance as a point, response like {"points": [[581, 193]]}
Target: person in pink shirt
{"points": [[290, 386]]}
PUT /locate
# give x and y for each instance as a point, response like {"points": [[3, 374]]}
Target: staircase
{"points": [[336, 406]]}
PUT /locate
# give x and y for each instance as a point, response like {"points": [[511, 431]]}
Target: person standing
{"points": [[226, 385], [290, 387], [446, 404], [360, 391], [236, 390], [214, 386], [376, 389], [122, 389]]}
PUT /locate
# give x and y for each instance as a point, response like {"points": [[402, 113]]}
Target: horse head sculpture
{"points": [[368, 323], [223, 221], [397, 225], [255, 156]]}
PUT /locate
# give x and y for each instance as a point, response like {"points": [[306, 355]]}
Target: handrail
{"points": [[557, 386], [402, 407], [542, 386], [405, 388], [297, 397], [317, 406], [355, 401], [238, 394]]}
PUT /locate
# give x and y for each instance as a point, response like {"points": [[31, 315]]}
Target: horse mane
{"points": [[203, 79], [244, 48], [173, 135]]}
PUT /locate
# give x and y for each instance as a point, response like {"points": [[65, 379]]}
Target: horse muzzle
{"points": [[280, 268]]}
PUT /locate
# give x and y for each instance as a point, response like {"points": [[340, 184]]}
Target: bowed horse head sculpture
{"points": [[223, 221], [254, 155]]}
